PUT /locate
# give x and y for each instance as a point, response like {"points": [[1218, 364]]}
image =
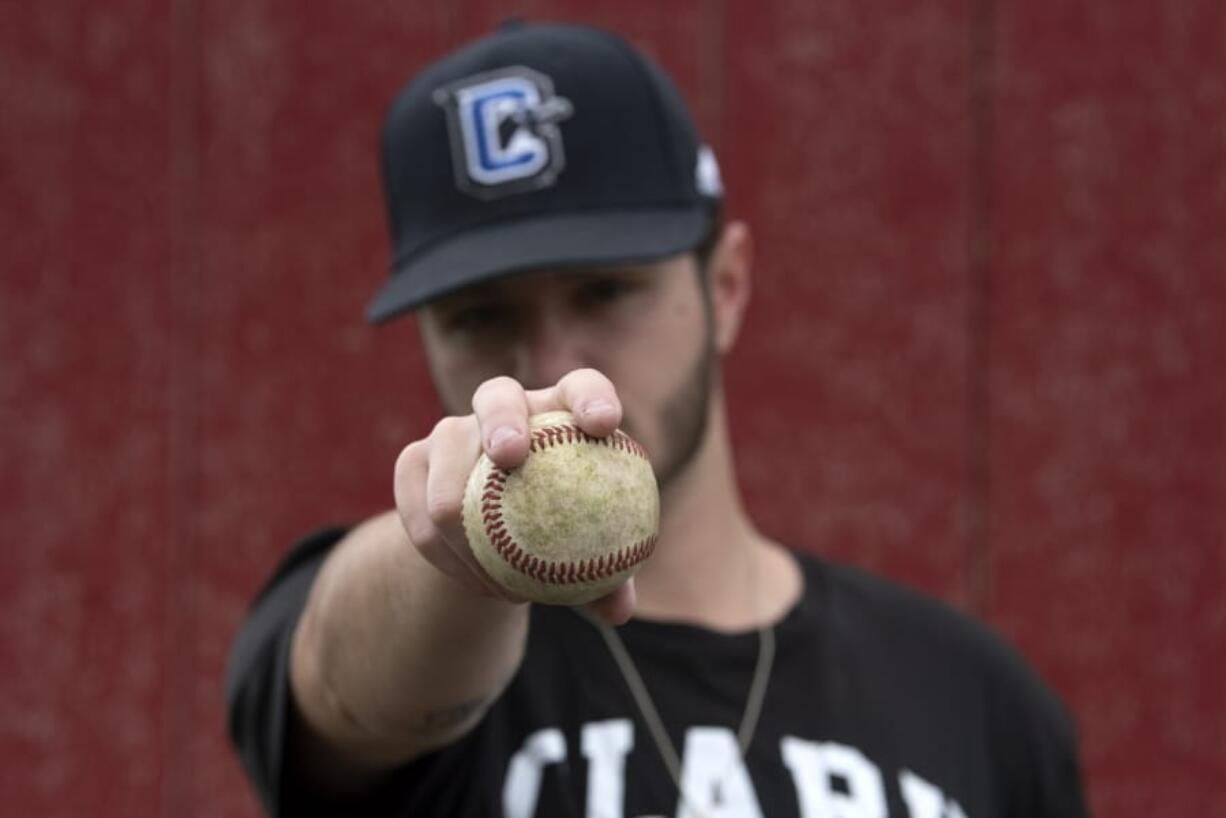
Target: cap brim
{"points": [[571, 239]]}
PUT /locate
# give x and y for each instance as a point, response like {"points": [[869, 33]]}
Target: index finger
{"points": [[501, 410], [585, 393]]}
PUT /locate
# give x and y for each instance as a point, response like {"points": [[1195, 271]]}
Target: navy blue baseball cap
{"points": [[538, 146]]}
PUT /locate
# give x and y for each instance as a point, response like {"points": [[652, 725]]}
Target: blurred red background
{"points": [[990, 308]]}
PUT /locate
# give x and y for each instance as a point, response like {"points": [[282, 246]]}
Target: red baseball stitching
{"points": [[588, 570], [549, 436]]}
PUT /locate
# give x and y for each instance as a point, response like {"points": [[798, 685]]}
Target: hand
{"points": [[431, 474]]}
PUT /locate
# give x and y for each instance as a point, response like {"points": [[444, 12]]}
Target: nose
{"points": [[553, 344]]}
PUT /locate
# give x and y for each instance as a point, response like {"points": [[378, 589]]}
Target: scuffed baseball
{"points": [[572, 522]]}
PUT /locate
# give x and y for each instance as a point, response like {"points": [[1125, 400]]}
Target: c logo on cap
{"points": [[504, 132]]}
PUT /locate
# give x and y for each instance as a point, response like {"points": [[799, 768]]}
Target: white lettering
{"points": [[833, 780], [713, 777], [523, 784], [605, 744], [925, 800]]}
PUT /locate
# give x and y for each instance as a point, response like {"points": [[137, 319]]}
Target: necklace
{"points": [[651, 716]]}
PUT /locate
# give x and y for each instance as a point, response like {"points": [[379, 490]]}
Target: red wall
{"points": [[985, 354]]}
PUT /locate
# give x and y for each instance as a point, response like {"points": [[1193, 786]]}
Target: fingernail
{"points": [[597, 406], [501, 435]]}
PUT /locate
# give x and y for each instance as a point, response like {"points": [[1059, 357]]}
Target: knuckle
{"points": [[584, 381], [405, 472], [583, 374], [422, 532], [568, 380], [493, 386], [447, 427], [409, 454], [444, 506]]}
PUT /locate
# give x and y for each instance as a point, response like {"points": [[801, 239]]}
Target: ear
{"points": [[730, 281]]}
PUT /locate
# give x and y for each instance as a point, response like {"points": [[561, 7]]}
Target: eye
{"points": [[481, 318], [601, 291]]}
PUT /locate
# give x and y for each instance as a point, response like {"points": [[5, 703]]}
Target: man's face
{"points": [[646, 327]]}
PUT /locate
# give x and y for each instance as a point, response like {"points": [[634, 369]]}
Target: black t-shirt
{"points": [[882, 703]]}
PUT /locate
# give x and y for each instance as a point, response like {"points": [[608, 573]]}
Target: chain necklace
{"points": [[651, 716]]}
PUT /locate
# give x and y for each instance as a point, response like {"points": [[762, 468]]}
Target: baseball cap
{"points": [[538, 146]]}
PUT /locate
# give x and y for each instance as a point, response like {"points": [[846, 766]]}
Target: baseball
{"points": [[572, 522]]}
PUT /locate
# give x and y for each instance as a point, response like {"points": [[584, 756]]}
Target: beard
{"points": [[682, 421]]}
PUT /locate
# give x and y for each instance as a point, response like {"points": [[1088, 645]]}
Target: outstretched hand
{"points": [[431, 474]]}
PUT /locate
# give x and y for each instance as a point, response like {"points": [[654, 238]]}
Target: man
{"points": [[557, 227]]}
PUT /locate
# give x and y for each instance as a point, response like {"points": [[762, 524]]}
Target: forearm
{"points": [[392, 658]]}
